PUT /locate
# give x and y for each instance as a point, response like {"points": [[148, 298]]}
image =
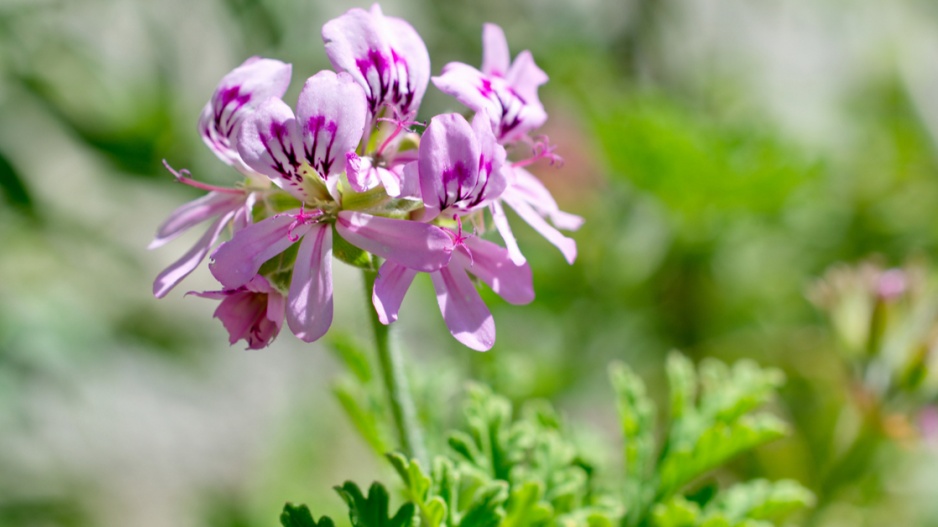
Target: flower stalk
{"points": [[409, 433]]}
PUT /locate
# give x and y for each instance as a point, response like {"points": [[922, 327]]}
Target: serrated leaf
{"points": [[417, 488], [525, 508], [372, 511], [299, 516], [350, 254], [761, 500], [485, 508], [636, 417], [676, 512]]}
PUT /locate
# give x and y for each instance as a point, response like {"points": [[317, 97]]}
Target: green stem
{"points": [[409, 433]]}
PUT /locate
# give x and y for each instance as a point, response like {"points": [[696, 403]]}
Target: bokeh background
{"points": [[723, 152]]}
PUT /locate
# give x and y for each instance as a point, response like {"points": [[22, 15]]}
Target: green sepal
{"points": [[372, 511], [279, 269], [299, 516], [350, 254], [367, 200]]}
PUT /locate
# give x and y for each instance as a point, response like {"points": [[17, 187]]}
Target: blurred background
{"points": [[724, 153]]}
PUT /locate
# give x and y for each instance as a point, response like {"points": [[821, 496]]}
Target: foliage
{"points": [[508, 469]]}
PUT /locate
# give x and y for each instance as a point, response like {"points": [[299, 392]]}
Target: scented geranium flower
{"points": [[385, 55], [305, 154], [227, 206], [239, 92], [506, 91], [459, 169], [252, 312]]}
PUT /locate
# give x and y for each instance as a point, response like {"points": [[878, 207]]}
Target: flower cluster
{"points": [[347, 174]]}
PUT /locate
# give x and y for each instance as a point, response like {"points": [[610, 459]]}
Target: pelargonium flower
{"points": [[459, 169], [385, 55], [252, 312], [305, 154], [506, 91], [236, 95]]}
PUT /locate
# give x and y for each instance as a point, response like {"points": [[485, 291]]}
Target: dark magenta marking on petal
{"points": [[316, 125]]}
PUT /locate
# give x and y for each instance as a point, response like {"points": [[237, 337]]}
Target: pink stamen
{"points": [[300, 219], [400, 123], [460, 239], [182, 176], [541, 149]]}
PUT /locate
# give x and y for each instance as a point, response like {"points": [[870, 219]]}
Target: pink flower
{"points": [[505, 91], [238, 93], [384, 55], [466, 315], [228, 207], [252, 312]]}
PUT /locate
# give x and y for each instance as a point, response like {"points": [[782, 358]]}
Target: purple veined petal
{"points": [[238, 92], [525, 77], [385, 55], [526, 186], [412, 244], [492, 181], [448, 161], [309, 302], [566, 245], [469, 86], [195, 212], [495, 57], [493, 265], [466, 315], [391, 285], [269, 143], [237, 261], [330, 115], [504, 230], [181, 268]]}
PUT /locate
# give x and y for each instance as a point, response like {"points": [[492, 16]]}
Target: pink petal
{"points": [[390, 287], [238, 93], [566, 245], [412, 244], [525, 77], [495, 57], [361, 175], [237, 261], [492, 181], [448, 162], [309, 302], [470, 87], [527, 187], [195, 212], [492, 264], [385, 55], [504, 229], [181, 268], [330, 113], [269, 143], [466, 315]]}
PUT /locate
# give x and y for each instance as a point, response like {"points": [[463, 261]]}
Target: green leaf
{"points": [[761, 500], [13, 187], [351, 396], [350, 254], [372, 511], [352, 354], [417, 488], [676, 512], [299, 516], [525, 508], [485, 508], [636, 416]]}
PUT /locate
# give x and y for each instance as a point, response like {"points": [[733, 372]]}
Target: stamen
{"points": [[182, 176], [400, 123], [541, 149], [300, 219], [460, 239]]}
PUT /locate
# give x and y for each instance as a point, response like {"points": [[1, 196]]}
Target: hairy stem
{"points": [[409, 433]]}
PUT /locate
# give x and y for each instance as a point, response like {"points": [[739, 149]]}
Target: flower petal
{"points": [[566, 245], [504, 229], [495, 56], [385, 55], [466, 315], [525, 77], [195, 212], [240, 91], [309, 302], [492, 264], [448, 161], [237, 261], [391, 285], [269, 143], [330, 113], [412, 244], [181, 268], [526, 186]]}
